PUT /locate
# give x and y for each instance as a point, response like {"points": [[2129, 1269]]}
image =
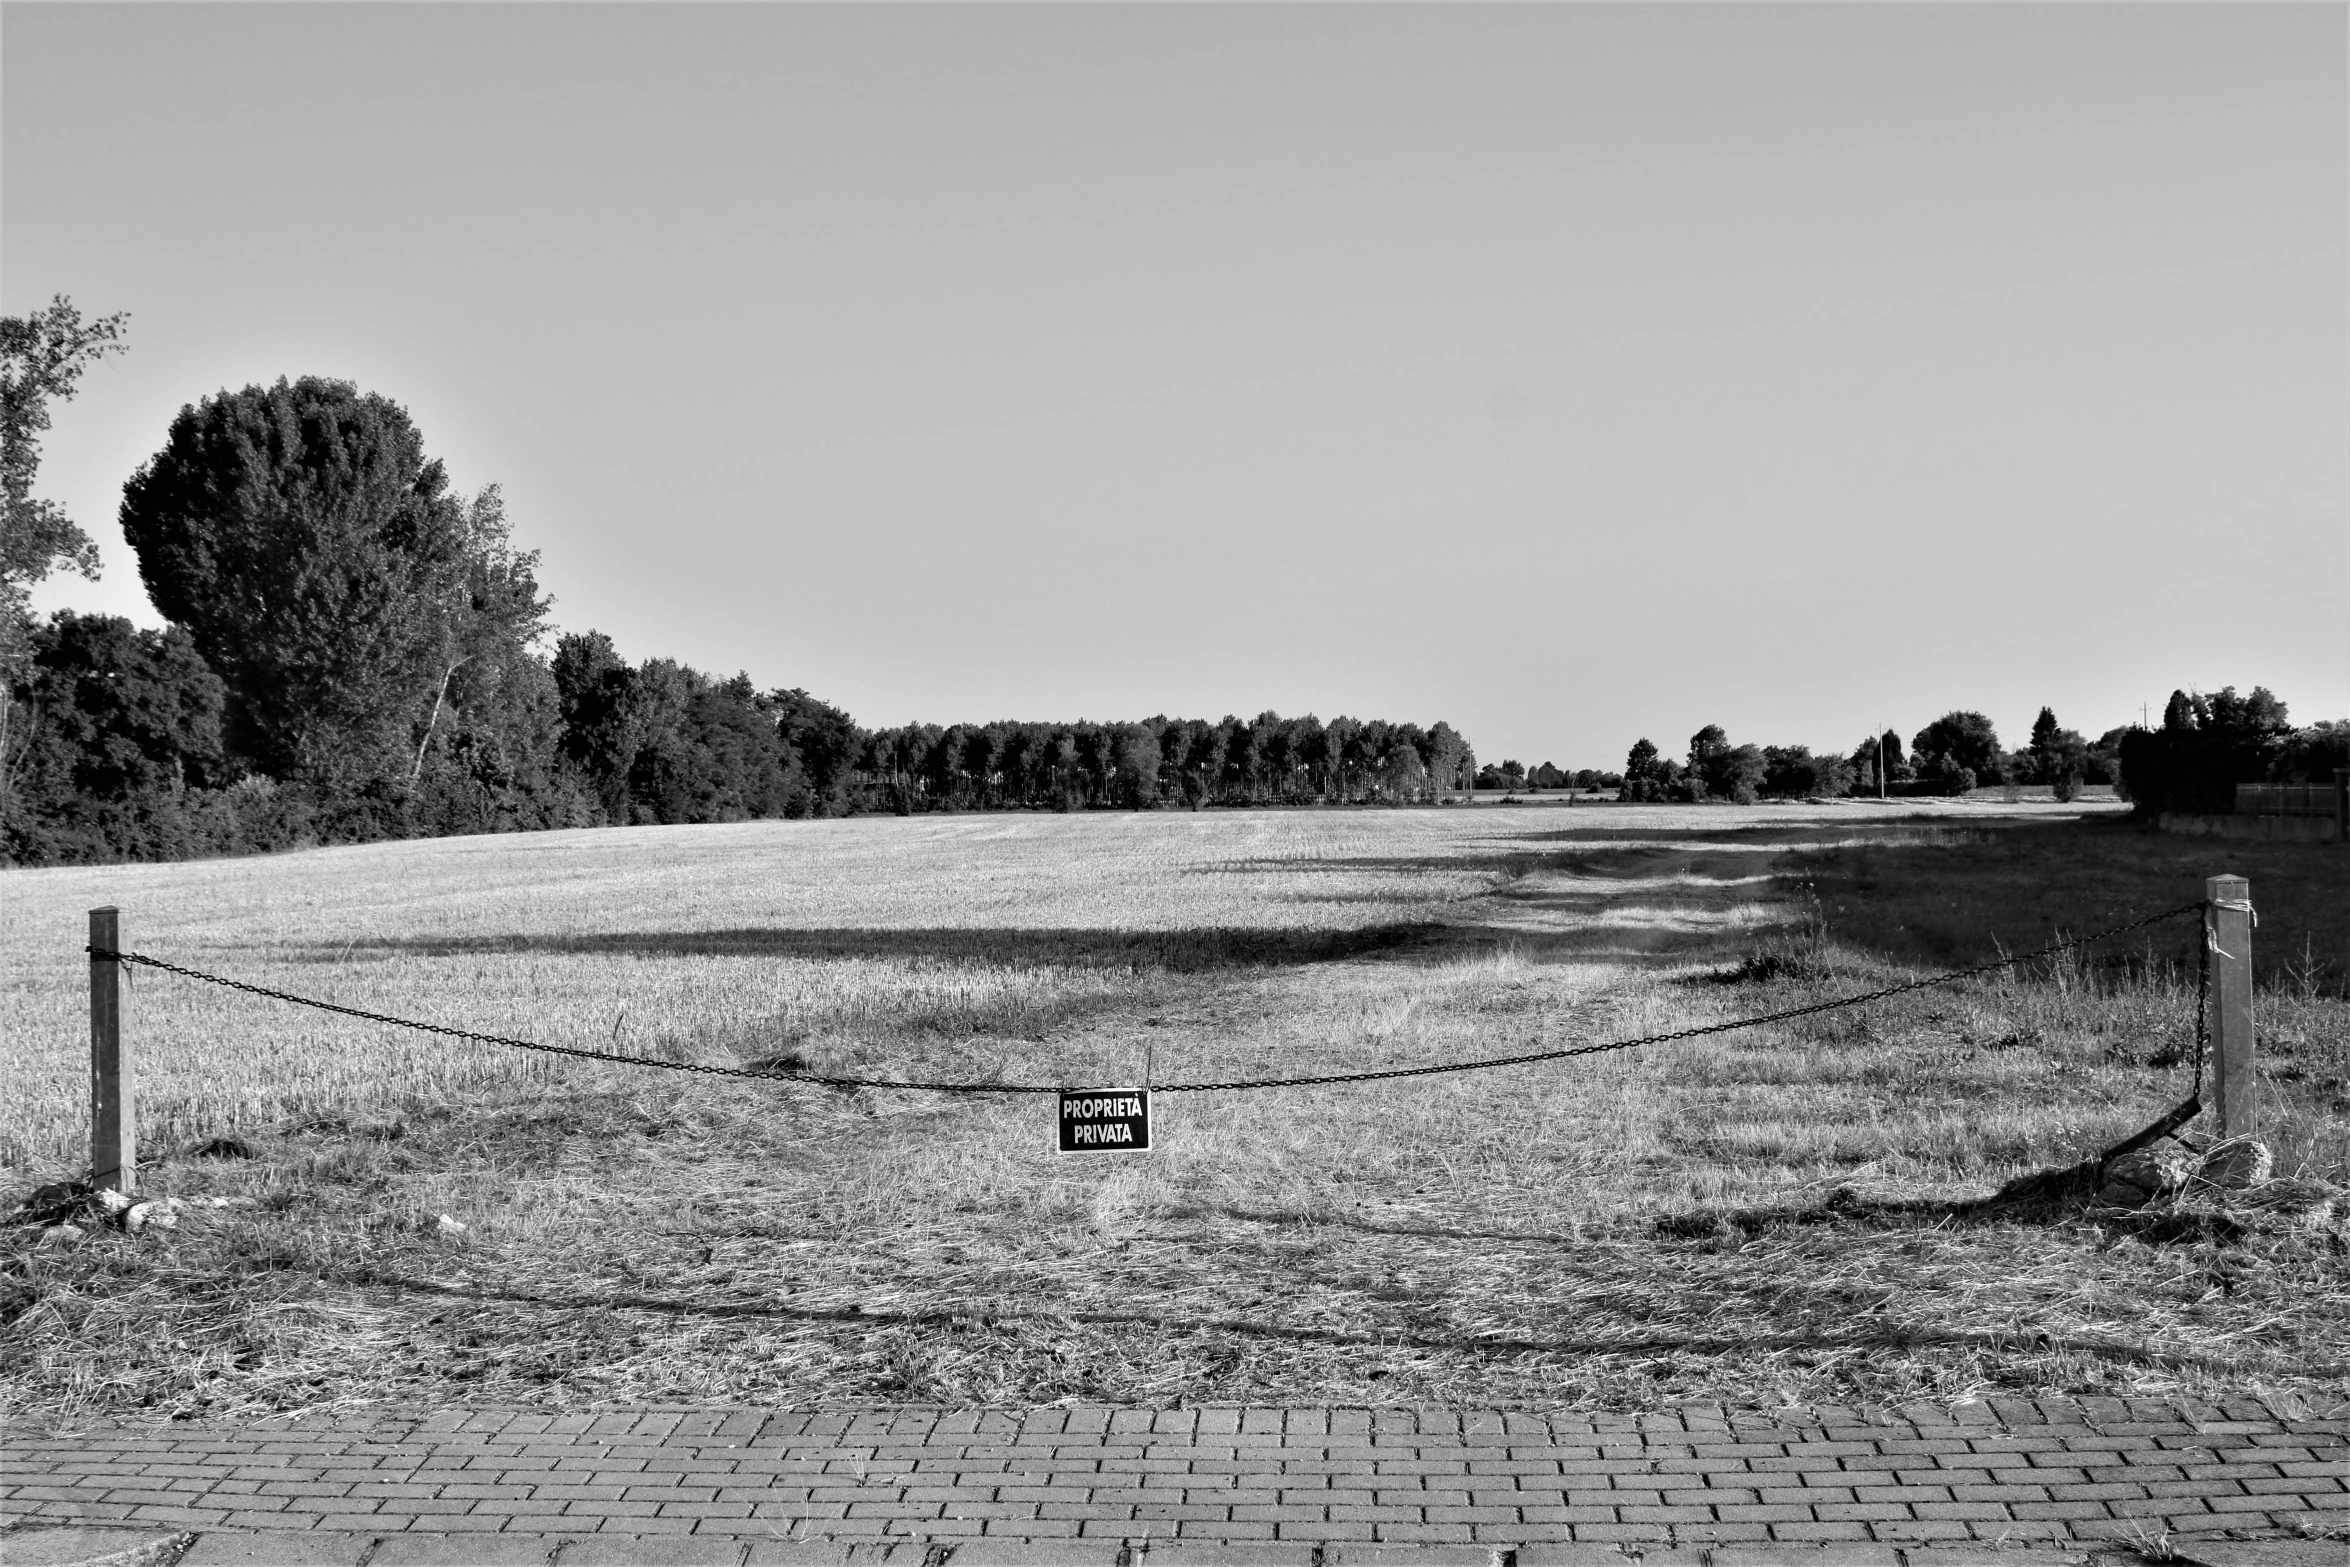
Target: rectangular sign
{"points": [[1105, 1120]]}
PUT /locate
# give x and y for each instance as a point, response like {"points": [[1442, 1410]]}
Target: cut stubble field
{"points": [[1774, 1215]]}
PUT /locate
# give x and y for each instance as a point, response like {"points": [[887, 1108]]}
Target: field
{"points": [[1772, 1215]]}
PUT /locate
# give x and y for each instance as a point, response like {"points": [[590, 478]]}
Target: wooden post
{"points": [[2342, 805], [2231, 1001], [114, 1148]]}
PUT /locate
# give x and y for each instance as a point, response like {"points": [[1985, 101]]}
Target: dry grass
{"points": [[1764, 1215]]}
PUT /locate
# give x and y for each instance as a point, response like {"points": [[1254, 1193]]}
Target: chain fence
{"points": [[2200, 907]]}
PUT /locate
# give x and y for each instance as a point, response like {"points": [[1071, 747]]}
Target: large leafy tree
{"points": [[1719, 770], [316, 556], [1958, 751]]}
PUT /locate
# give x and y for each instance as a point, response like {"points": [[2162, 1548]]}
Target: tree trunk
{"points": [[438, 697]]}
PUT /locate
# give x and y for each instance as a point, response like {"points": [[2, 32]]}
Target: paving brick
{"points": [[1792, 1478], [433, 1550], [1240, 1553], [1824, 1530], [1763, 1512], [2066, 1510], [1915, 1529], [1832, 1555], [1568, 1517], [654, 1551]]}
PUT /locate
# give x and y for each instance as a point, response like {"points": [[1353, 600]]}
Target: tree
{"points": [[1791, 772], [1886, 748], [2309, 756], [2055, 756], [1645, 776], [42, 357], [2257, 715], [2041, 745], [494, 611], [1341, 750], [1243, 757], [825, 741], [1445, 753], [1958, 750], [2205, 747], [1204, 763], [982, 744], [1721, 771], [2103, 764], [318, 560], [122, 723], [601, 729], [1402, 775], [1707, 748], [1134, 763], [1863, 763]]}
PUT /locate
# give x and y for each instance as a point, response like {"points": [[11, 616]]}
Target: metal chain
{"points": [[608, 1057], [1481, 1065]]}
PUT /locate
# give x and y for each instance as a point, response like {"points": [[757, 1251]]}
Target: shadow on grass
{"points": [[1925, 891], [2037, 1199], [1600, 927], [1949, 895], [2017, 884], [1190, 950], [1178, 1325]]}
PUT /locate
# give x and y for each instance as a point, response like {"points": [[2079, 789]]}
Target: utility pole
{"points": [[1880, 761]]}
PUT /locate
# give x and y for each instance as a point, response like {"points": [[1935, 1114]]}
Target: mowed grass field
{"points": [[1764, 1215]]}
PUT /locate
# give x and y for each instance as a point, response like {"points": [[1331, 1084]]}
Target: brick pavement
{"points": [[1304, 1487]]}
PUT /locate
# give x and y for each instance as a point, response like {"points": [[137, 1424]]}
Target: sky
{"points": [[1570, 373]]}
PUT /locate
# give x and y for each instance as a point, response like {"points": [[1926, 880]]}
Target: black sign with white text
{"points": [[1105, 1120]]}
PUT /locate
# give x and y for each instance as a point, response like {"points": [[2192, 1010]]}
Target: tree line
{"points": [[1270, 760], [356, 650], [2208, 744], [1956, 753], [2205, 747]]}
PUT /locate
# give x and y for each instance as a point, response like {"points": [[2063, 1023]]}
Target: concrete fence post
{"points": [[2230, 934], [114, 1149]]}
